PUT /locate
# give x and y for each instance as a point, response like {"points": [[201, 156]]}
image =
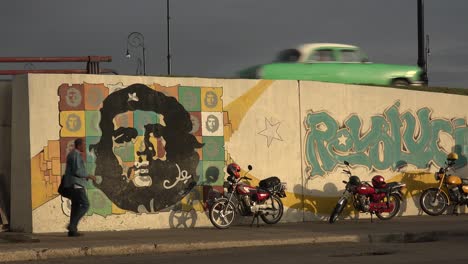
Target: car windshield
{"points": [[350, 56], [288, 55]]}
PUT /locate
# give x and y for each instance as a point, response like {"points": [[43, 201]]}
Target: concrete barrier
{"points": [[189, 129]]}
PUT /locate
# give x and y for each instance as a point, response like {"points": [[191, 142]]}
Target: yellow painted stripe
{"points": [[238, 108]]}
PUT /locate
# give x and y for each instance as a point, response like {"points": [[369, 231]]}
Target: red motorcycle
{"points": [[381, 198], [245, 200]]}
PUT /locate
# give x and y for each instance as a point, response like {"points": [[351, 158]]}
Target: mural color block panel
{"points": [[211, 99], [90, 151], [66, 145], [91, 169], [99, 204], [92, 119], [213, 173], [213, 149], [94, 95], [171, 91], [212, 123], [189, 97], [73, 124], [195, 117], [71, 97], [53, 149]]}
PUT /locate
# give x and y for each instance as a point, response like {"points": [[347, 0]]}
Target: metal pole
{"points": [[422, 63], [168, 41], [144, 60]]}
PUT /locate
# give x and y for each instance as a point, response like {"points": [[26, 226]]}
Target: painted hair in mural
{"points": [[160, 146]]}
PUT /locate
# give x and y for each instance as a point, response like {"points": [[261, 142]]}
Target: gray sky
{"points": [[216, 38]]}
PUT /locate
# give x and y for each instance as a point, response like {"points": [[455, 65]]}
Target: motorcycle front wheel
{"points": [[393, 198], [337, 210], [273, 214], [432, 202], [222, 214]]}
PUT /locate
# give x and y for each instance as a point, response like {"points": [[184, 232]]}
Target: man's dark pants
{"points": [[79, 207]]}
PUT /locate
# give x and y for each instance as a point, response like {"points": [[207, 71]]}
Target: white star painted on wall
{"points": [[133, 97], [271, 131], [342, 139]]}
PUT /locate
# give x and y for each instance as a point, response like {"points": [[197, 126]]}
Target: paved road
{"points": [[20, 247], [449, 251]]}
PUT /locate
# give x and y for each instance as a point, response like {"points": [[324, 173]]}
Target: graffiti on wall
{"points": [[147, 145], [392, 138]]}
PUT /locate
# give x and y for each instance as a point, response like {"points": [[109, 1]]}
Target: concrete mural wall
{"points": [[159, 145]]}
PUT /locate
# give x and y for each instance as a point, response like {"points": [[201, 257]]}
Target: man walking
{"points": [[75, 181]]}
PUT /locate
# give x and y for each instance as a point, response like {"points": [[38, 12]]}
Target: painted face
{"points": [[135, 147], [212, 123], [73, 122], [146, 155], [211, 99], [73, 97], [70, 146]]}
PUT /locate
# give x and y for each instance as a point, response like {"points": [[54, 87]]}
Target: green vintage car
{"points": [[331, 62]]}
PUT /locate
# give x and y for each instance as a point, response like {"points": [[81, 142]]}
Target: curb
{"points": [[147, 248], [411, 237]]}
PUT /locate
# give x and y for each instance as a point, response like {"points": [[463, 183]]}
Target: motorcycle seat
{"points": [[389, 186], [392, 184], [262, 190]]}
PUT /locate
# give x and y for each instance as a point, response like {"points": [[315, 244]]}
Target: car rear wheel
{"points": [[400, 83]]}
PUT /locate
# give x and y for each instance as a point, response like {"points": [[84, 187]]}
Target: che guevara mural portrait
{"points": [[144, 143]]}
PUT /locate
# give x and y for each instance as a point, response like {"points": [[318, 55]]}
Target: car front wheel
{"points": [[400, 83]]}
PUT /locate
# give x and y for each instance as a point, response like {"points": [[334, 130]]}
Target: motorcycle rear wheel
{"points": [[337, 211], [273, 216], [222, 214], [433, 204], [393, 198]]}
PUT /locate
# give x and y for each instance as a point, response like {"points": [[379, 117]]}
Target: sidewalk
{"points": [[18, 246]]}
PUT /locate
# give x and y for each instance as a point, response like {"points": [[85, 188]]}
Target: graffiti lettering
{"points": [[391, 138]]}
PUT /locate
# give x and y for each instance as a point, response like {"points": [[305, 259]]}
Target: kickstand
{"points": [[371, 217], [253, 219]]}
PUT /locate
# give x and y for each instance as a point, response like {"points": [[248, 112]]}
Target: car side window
{"points": [[322, 55], [350, 56]]}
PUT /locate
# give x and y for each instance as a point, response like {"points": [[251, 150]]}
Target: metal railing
{"points": [[92, 64]]}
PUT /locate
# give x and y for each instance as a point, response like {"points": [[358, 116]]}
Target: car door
{"points": [[321, 65], [353, 67]]}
